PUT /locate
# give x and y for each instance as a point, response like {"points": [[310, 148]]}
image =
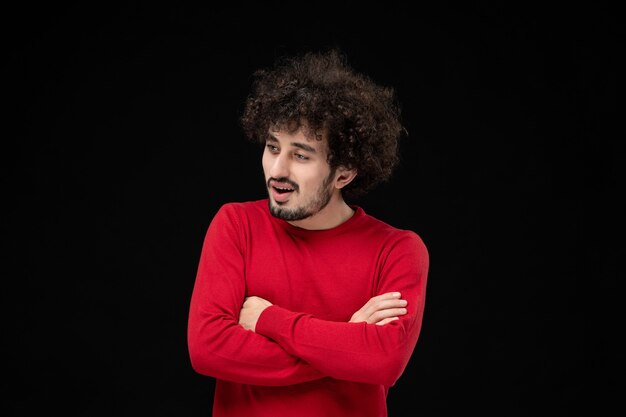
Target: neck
{"points": [[336, 212]]}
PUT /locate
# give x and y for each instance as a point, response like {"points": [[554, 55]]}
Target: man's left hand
{"points": [[251, 310]]}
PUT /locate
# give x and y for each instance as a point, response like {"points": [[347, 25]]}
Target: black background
{"points": [[122, 141]]}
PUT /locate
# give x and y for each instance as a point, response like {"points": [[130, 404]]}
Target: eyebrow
{"points": [[300, 145]]}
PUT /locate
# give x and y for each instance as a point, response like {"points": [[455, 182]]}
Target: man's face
{"points": [[297, 174]]}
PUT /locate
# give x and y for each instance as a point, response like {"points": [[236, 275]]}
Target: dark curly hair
{"points": [[321, 93]]}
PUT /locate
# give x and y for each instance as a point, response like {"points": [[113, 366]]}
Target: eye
{"points": [[272, 148], [301, 157]]}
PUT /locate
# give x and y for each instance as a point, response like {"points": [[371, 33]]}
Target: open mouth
{"points": [[281, 191]]}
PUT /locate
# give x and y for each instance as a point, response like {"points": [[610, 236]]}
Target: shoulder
{"points": [[383, 227], [395, 237], [242, 210], [238, 214], [234, 218]]}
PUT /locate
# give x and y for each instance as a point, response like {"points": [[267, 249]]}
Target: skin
{"points": [[379, 310], [300, 163], [306, 192]]}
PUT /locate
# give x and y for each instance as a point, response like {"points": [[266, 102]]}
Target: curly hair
{"points": [[321, 93]]}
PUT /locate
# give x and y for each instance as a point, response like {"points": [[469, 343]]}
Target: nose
{"points": [[280, 166]]}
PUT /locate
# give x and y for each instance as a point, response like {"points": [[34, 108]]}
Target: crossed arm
{"points": [[264, 344], [234, 351], [379, 310]]}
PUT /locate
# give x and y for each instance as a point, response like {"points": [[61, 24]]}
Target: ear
{"points": [[344, 176]]}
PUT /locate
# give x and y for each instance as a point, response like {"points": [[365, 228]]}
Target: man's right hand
{"points": [[381, 309]]}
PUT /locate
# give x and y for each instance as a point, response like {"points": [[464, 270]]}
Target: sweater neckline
{"points": [[359, 213]]}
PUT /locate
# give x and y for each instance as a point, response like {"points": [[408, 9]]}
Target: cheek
{"points": [[313, 181], [265, 163]]}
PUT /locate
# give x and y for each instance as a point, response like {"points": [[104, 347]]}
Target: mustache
{"points": [[285, 180]]}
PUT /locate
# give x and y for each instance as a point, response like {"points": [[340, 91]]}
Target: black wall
{"points": [[122, 141]]}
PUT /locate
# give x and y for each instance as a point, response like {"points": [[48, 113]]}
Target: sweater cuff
{"points": [[271, 321]]}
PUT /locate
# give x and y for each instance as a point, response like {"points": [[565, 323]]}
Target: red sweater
{"points": [[304, 358]]}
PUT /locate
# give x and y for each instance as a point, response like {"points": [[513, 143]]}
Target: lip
{"points": [[280, 197], [281, 184], [277, 196]]}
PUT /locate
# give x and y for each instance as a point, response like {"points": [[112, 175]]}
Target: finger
{"points": [[386, 296], [372, 306], [394, 303], [383, 305], [378, 298], [383, 314], [387, 320]]}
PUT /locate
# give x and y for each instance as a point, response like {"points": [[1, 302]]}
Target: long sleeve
{"points": [[360, 352], [218, 345]]}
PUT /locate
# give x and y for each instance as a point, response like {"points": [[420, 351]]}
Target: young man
{"points": [[304, 305]]}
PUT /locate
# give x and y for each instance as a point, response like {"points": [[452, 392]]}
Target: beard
{"points": [[315, 204]]}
